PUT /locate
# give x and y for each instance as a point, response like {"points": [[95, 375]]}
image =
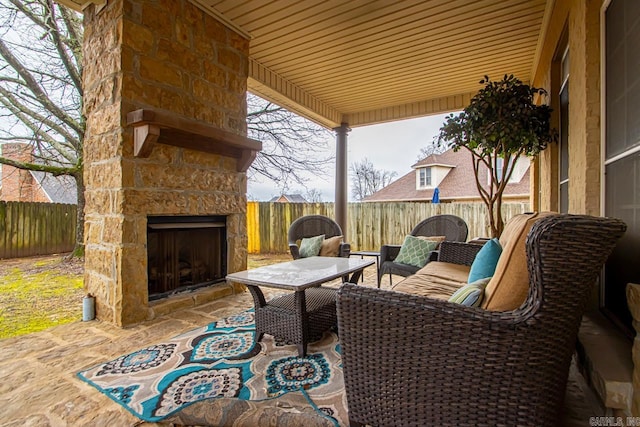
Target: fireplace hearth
{"points": [[185, 253]]}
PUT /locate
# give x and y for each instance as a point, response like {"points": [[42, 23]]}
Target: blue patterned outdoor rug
{"points": [[221, 364]]}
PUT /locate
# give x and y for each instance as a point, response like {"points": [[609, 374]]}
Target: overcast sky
{"points": [[389, 146]]}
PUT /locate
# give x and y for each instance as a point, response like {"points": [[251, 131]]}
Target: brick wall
{"points": [[18, 185]]}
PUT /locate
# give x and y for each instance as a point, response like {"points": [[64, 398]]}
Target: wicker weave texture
{"points": [[284, 318], [458, 252], [415, 361]]}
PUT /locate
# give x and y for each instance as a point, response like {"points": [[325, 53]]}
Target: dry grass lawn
{"points": [[39, 292]]}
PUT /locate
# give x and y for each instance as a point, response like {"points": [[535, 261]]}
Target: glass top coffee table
{"points": [[302, 316]]}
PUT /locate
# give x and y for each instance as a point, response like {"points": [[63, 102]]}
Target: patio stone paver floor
{"points": [[39, 387]]}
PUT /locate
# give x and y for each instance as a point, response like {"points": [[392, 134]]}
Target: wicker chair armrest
{"points": [[431, 362], [345, 250], [389, 252], [295, 250], [458, 252]]}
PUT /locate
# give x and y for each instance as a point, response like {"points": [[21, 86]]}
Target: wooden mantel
{"points": [[163, 127]]}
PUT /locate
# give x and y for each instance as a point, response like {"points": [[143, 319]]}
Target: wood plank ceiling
{"points": [[366, 61], [369, 61]]}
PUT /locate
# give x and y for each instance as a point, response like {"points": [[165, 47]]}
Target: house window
{"points": [[425, 177], [498, 171], [499, 167], [622, 152]]}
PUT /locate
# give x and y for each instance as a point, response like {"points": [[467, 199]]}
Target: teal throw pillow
{"points": [[484, 265], [310, 246], [470, 294], [415, 251]]}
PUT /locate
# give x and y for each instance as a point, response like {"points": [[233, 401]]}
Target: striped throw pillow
{"points": [[470, 294]]}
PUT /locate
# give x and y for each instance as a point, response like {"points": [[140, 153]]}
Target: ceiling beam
{"points": [[80, 5], [428, 107], [270, 85], [273, 87]]}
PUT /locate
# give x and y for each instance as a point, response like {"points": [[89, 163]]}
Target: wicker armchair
{"points": [[416, 361], [450, 226], [314, 225]]}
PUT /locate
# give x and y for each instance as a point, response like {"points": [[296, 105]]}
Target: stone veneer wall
{"points": [[169, 55]]}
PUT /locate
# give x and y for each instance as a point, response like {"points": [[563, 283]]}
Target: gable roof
{"points": [[291, 198], [458, 184], [59, 189], [55, 189]]}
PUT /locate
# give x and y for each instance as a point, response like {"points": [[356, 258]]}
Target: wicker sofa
{"points": [[415, 360], [509, 285]]}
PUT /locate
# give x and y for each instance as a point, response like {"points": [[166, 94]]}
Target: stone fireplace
{"points": [[165, 87]]}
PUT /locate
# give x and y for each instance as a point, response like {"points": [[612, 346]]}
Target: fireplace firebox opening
{"points": [[185, 253]]}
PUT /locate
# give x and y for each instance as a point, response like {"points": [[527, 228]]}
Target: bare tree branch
{"points": [[37, 90], [53, 170], [17, 108], [293, 148], [54, 32], [73, 25], [366, 179], [41, 90]]}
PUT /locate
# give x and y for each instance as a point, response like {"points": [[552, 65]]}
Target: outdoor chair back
{"points": [[311, 226], [411, 360]]}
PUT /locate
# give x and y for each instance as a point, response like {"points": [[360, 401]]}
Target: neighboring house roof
{"points": [[458, 183], [290, 198], [55, 189], [59, 189]]}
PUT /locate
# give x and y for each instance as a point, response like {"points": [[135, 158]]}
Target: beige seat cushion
{"points": [[455, 272], [435, 280], [509, 286]]}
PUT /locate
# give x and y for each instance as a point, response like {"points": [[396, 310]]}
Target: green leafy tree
{"points": [[501, 122]]}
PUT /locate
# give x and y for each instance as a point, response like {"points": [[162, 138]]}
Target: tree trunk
{"points": [[492, 218], [499, 221], [78, 250]]}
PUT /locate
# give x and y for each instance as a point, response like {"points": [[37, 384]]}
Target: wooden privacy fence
{"points": [[28, 229], [370, 225]]}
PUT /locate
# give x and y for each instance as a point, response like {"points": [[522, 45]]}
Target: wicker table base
{"points": [[297, 318], [301, 316]]}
